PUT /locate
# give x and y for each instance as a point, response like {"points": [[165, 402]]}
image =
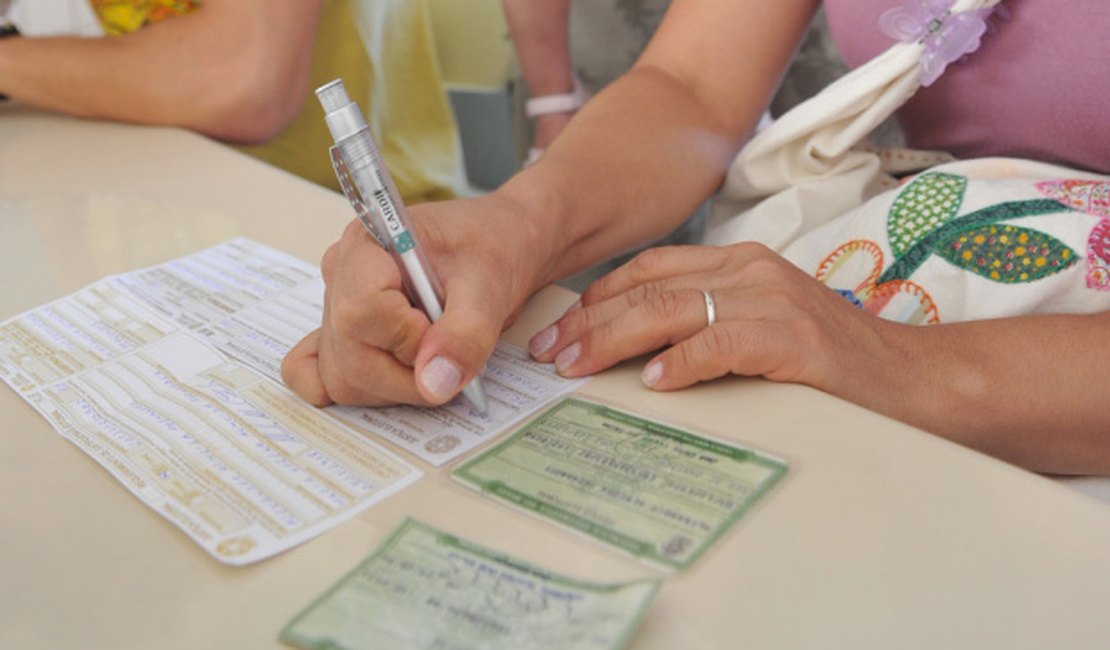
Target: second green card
{"points": [[652, 490]]}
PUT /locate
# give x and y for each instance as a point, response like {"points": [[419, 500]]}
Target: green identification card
{"points": [[652, 490], [423, 588]]}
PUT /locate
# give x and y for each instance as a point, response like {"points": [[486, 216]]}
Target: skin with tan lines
{"points": [[628, 168], [237, 70]]}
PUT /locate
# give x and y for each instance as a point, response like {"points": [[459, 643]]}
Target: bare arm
{"points": [[1030, 390], [655, 143], [235, 70], [629, 168]]}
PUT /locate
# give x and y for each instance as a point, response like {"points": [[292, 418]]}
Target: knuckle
{"points": [[756, 249], [642, 293], [767, 267], [306, 387], [666, 305], [707, 355], [576, 322], [712, 257], [405, 327], [345, 315], [685, 358], [607, 286], [596, 340], [647, 262], [597, 291], [404, 341], [340, 390], [716, 341]]}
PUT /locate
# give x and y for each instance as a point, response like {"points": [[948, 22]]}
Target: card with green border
{"points": [[423, 588], [658, 492]]}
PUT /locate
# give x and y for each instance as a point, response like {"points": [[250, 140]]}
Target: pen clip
{"points": [[351, 191]]}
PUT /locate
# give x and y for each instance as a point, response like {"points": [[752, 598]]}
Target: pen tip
{"points": [[476, 395]]}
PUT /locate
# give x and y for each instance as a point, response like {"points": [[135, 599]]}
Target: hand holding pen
{"points": [[384, 216]]}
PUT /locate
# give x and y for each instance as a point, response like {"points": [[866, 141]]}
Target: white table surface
{"points": [[880, 536]]}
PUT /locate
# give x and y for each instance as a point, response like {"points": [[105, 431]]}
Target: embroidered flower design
{"points": [[924, 220], [1093, 198], [854, 269]]}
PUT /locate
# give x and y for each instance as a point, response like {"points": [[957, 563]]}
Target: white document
{"points": [[515, 385], [255, 303], [169, 378], [236, 461]]}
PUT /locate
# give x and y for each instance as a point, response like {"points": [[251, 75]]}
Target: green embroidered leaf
{"points": [[923, 205], [1007, 254], [904, 266]]}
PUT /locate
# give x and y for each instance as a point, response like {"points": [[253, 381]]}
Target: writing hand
{"points": [[374, 348]]}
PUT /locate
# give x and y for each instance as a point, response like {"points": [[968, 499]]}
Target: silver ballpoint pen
{"points": [[380, 209]]}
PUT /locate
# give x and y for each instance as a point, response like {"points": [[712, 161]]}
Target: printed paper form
{"points": [[240, 464], [255, 303], [83, 361], [423, 588]]}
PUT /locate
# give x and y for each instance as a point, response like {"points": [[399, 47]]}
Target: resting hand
{"points": [[771, 320], [374, 348]]}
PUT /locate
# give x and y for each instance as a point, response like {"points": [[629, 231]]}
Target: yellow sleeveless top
{"points": [[395, 68]]}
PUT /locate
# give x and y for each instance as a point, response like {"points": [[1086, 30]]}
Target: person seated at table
{"points": [[243, 72], [973, 301]]}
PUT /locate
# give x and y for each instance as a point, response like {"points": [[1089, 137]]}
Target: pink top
{"points": [[1036, 88]]}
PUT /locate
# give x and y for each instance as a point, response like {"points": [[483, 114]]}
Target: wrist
{"points": [[879, 368], [921, 375], [535, 228]]}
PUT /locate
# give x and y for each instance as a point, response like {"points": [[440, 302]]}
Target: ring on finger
{"points": [[710, 308]]}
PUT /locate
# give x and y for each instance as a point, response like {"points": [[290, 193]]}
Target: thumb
{"points": [[456, 347]]}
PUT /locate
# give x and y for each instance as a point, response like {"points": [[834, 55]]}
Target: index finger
{"points": [[655, 266]]}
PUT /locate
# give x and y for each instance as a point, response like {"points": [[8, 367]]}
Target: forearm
{"points": [[231, 76], [1031, 390], [646, 151], [539, 33]]}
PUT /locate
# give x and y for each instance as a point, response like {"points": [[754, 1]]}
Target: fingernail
{"points": [[652, 373], [543, 341], [441, 378], [568, 356]]}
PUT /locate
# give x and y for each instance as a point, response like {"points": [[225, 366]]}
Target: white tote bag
{"points": [[964, 240]]}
